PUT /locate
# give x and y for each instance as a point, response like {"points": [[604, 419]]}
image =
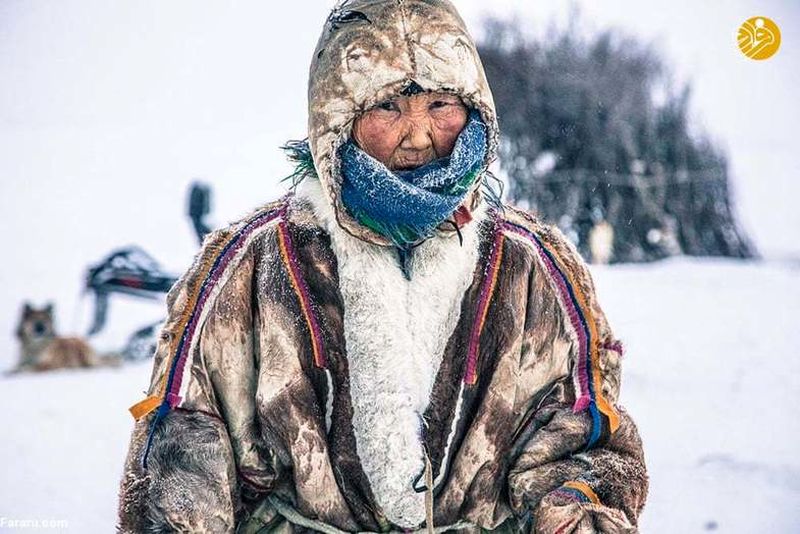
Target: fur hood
{"points": [[369, 52]]}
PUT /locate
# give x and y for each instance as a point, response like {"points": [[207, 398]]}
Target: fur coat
{"points": [[303, 383]]}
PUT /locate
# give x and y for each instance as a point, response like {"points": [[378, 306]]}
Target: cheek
{"points": [[377, 137], [446, 130]]}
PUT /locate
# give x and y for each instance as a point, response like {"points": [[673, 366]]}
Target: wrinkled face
{"points": [[410, 131]]}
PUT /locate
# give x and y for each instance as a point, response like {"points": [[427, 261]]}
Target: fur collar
{"points": [[395, 332]]}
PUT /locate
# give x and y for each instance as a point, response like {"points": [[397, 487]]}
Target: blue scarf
{"points": [[407, 206]]}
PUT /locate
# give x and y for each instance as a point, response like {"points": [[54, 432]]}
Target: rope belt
{"points": [[428, 494], [295, 517]]}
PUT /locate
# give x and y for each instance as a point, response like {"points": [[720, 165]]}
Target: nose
{"points": [[418, 135]]}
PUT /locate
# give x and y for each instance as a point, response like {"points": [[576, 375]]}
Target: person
{"points": [[388, 347]]}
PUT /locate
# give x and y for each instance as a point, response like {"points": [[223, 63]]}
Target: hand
{"points": [[559, 514]]}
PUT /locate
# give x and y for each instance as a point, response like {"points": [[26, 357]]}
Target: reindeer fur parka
{"points": [[303, 383]]}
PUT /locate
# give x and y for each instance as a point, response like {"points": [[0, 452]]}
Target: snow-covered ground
{"points": [[109, 109], [711, 372]]}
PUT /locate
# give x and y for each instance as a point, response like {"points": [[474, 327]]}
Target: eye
{"points": [[388, 106], [436, 104]]}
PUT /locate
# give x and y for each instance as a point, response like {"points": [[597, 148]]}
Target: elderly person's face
{"points": [[410, 131]]}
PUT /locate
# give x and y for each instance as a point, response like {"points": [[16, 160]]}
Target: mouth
{"points": [[407, 167], [407, 163]]}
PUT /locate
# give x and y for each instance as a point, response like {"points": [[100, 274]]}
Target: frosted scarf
{"points": [[407, 206]]}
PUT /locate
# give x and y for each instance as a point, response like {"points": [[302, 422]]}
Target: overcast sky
{"points": [[109, 109]]}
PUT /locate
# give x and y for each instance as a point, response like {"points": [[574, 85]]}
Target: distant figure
{"points": [[601, 242], [199, 208], [42, 350]]}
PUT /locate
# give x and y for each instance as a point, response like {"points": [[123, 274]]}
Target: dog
{"points": [[41, 349]]}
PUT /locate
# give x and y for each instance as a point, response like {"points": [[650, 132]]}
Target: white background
{"points": [[108, 110]]}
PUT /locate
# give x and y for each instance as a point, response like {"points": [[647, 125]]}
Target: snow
{"points": [[710, 373], [65, 437], [109, 109]]}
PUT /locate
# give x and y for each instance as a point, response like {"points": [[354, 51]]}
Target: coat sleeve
{"points": [[604, 487], [202, 459], [568, 484]]}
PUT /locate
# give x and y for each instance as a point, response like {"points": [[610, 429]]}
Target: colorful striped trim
{"points": [[571, 495], [615, 346], [579, 490], [211, 270], [303, 294], [221, 257], [487, 289], [586, 375]]}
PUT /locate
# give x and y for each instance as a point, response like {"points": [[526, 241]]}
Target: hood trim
{"points": [[375, 56]]}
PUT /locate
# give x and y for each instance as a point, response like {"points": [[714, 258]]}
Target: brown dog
{"points": [[42, 350]]}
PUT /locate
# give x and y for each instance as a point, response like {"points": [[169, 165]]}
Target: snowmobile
{"points": [[132, 271]]}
